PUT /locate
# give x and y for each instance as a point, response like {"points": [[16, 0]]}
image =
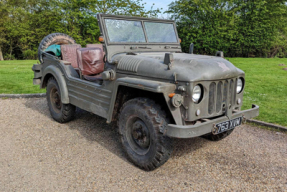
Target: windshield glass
{"points": [[125, 31], [121, 31], [160, 32]]}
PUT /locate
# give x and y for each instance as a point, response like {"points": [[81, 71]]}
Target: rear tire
{"points": [[217, 137], [59, 111], [141, 125], [54, 38]]}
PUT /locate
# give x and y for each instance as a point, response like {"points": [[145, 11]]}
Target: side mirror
{"points": [[191, 47]]}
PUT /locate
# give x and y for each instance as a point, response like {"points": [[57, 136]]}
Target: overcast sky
{"points": [[158, 4]]}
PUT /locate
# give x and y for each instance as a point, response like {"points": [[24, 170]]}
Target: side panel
{"points": [[89, 96]]}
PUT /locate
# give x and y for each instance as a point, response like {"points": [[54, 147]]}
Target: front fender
{"points": [[153, 86], [59, 76], [147, 85]]}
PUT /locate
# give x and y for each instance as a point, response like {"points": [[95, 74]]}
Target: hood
{"points": [[188, 67]]}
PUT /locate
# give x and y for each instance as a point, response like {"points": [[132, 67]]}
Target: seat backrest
{"points": [[96, 46], [69, 53], [90, 61]]}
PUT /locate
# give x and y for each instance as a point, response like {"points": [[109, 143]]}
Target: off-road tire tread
{"points": [[67, 111], [159, 122], [54, 38]]}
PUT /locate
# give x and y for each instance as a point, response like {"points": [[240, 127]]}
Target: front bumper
{"points": [[189, 131]]}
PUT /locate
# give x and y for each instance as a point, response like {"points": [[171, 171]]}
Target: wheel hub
{"points": [[56, 99], [140, 134]]}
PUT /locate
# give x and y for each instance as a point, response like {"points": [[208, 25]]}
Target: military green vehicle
{"points": [[140, 78]]}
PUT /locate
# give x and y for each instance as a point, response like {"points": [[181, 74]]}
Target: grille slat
{"points": [[219, 97], [230, 95], [211, 98], [234, 92], [225, 92]]}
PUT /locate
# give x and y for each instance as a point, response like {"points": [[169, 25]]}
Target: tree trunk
{"points": [[1, 55], [11, 50]]}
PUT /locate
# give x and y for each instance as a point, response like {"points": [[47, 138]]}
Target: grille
{"points": [[129, 63], [221, 95]]}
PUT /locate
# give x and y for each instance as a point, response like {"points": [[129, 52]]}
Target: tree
{"points": [[24, 23], [3, 16], [237, 27]]}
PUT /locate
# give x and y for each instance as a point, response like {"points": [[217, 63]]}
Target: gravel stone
{"points": [[39, 154]]}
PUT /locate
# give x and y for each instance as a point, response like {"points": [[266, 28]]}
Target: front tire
{"points": [[59, 111], [141, 125]]}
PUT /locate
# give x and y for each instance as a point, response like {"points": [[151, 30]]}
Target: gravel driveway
{"points": [[39, 154]]}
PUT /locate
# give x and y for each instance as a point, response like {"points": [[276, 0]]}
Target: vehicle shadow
{"points": [[95, 129], [90, 126]]}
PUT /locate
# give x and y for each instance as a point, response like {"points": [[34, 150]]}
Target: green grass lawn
{"points": [[17, 77], [266, 84]]}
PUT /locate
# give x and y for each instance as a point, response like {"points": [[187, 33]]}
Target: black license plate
{"points": [[228, 125]]}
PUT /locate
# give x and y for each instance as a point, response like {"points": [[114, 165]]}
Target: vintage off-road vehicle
{"points": [[140, 78]]}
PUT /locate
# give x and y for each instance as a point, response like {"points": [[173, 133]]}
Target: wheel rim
{"points": [[55, 100], [138, 135]]}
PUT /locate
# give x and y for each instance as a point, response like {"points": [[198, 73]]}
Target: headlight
{"points": [[239, 85], [196, 94]]}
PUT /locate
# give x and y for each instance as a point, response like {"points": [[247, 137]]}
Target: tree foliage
{"points": [[246, 28], [24, 23], [237, 27]]}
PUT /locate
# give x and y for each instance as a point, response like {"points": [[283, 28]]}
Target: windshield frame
{"points": [[142, 20], [113, 48]]}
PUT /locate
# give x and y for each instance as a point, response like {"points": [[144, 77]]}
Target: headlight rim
{"points": [[201, 94], [243, 83]]}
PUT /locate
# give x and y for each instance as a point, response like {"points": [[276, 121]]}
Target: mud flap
{"points": [[37, 68]]}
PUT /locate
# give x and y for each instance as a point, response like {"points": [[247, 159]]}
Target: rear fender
{"points": [[59, 76]]}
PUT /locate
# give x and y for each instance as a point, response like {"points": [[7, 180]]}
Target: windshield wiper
{"points": [[168, 47], [134, 47]]}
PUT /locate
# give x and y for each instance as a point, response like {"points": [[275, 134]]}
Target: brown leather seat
{"points": [[69, 53], [90, 61], [96, 46]]}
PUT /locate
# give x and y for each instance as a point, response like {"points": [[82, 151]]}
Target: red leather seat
{"points": [[90, 61], [69, 53]]}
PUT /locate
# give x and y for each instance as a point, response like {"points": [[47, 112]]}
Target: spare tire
{"points": [[54, 38]]}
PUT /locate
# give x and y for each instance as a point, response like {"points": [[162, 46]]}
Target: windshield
{"points": [[160, 32], [120, 31], [125, 31]]}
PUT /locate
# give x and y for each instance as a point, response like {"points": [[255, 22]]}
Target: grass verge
{"points": [[16, 77], [266, 86]]}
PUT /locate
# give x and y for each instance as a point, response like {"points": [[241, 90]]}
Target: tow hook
{"points": [[215, 129], [244, 119]]}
